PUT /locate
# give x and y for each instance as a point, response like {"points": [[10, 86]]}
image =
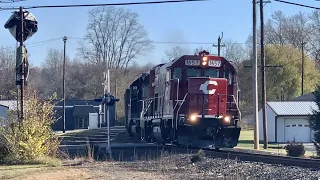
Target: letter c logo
{"points": [[204, 87]]}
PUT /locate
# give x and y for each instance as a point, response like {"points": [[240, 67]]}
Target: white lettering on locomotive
{"points": [[214, 63], [204, 87], [192, 62]]}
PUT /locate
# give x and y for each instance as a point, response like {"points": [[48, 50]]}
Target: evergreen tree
{"points": [[314, 120]]}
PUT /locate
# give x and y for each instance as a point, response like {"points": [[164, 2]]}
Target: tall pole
{"points": [[23, 64], [108, 108], [264, 96], [115, 105], [302, 67], [219, 42], [219, 45], [64, 83], [255, 81]]}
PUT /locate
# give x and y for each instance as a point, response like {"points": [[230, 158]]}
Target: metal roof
{"points": [[305, 97], [293, 108], [12, 104]]}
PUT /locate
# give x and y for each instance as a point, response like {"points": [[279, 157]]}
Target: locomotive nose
{"points": [[207, 96]]}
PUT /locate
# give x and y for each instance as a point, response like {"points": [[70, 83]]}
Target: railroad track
{"points": [[264, 158]]}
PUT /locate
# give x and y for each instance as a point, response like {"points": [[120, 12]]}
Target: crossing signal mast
{"points": [[22, 25]]}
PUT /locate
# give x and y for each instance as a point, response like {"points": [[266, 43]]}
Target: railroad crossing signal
{"points": [[22, 25], [30, 25], [21, 61], [107, 99]]}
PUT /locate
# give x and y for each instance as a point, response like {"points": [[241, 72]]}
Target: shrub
{"points": [[4, 150], [197, 157], [33, 138], [314, 121], [295, 149]]}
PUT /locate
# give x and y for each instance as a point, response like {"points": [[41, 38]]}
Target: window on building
{"points": [[83, 122], [211, 73]]}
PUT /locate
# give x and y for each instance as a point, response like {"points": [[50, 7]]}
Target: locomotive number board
{"points": [[192, 62], [214, 63], [211, 63]]}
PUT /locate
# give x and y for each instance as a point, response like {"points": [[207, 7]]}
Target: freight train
{"points": [[191, 101]]}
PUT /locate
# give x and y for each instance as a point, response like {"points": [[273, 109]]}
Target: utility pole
{"points": [[219, 45], [264, 95], [64, 83], [302, 67], [115, 105], [107, 108], [23, 64], [255, 78]]}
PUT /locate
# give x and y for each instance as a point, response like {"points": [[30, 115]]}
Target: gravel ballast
{"points": [[180, 167]]}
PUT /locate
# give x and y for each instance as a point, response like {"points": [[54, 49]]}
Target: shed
{"points": [[3, 114], [77, 114], [287, 120]]}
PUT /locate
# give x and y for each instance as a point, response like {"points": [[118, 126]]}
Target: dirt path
{"points": [[92, 171]]}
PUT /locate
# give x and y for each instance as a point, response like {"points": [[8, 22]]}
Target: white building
{"points": [[287, 120]]}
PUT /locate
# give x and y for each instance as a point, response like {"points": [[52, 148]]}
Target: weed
{"points": [[295, 149], [197, 157]]}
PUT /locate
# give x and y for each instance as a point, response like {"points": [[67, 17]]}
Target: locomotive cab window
{"points": [[193, 72], [211, 73], [228, 76], [177, 73], [134, 92]]}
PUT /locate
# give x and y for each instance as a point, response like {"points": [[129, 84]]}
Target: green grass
{"points": [[246, 142]]}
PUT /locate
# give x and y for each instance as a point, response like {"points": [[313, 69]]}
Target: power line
{"points": [[107, 4], [171, 42], [10, 1], [296, 4]]}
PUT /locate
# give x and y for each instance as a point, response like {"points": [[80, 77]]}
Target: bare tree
{"points": [[234, 52], [114, 38], [175, 52], [51, 73], [7, 72]]}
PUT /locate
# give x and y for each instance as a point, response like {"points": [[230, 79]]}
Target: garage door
{"points": [[297, 129]]}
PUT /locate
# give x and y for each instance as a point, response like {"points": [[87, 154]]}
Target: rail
{"points": [[264, 158]]}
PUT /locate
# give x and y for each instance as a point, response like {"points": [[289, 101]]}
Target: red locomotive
{"points": [[192, 100]]}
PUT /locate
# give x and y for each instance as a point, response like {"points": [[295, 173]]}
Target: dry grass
{"points": [[41, 172], [80, 169]]}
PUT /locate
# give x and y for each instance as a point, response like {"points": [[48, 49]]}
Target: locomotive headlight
{"points": [[227, 119], [204, 61], [193, 117]]}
